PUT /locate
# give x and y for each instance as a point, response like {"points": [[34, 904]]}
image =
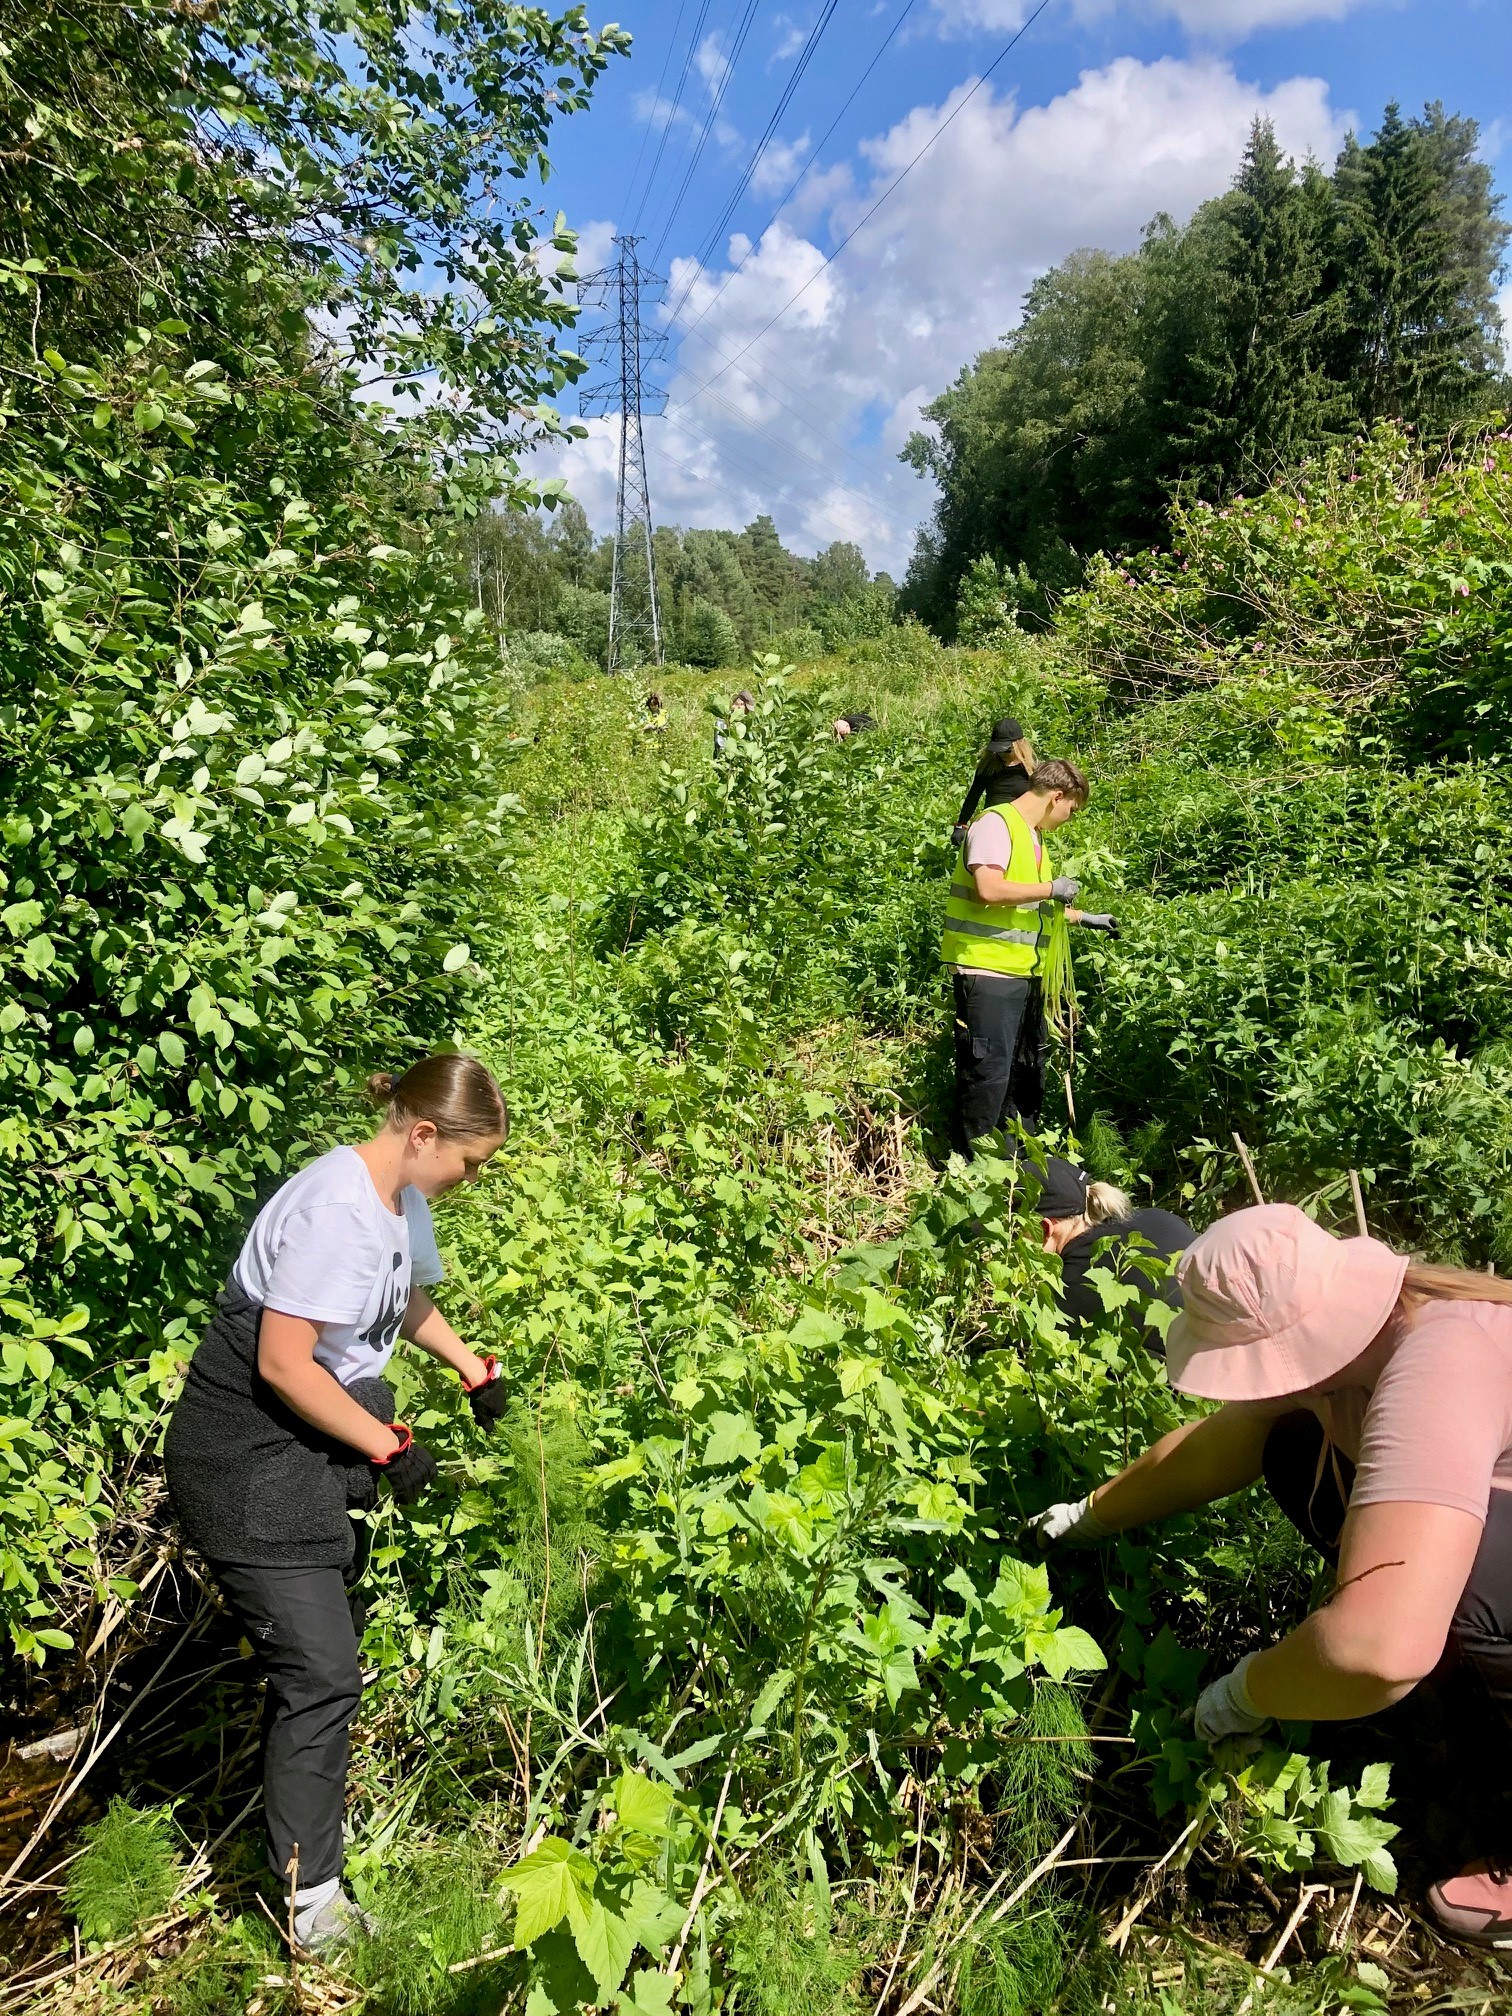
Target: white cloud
{"points": [[1232, 20], [812, 432], [595, 245], [779, 163], [1223, 21], [711, 63], [658, 112], [790, 38]]}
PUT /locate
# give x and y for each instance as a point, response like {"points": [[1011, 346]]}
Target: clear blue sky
{"points": [[1104, 112]]}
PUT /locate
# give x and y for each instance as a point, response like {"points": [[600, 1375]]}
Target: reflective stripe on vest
{"points": [[999, 937]]}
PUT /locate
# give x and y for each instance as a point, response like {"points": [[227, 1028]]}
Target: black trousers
{"points": [[999, 1055], [1481, 1633], [304, 1625]]}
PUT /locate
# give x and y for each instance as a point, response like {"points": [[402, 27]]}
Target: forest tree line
{"points": [[543, 583], [1291, 314]]}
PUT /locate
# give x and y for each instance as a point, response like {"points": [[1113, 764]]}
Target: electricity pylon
{"points": [[621, 290]]}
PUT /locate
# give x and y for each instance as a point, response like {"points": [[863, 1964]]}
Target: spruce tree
{"points": [[1245, 387], [1411, 345], [772, 571]]}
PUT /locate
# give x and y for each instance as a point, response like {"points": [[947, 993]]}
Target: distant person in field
{"points": [[1374, 1398], [995, 921], [285, 1427], [656, 715], [1091, 1224], [847, 725], [1002, 775], [743, 703]]}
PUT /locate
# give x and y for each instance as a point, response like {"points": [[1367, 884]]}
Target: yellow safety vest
{"points": [[1000, 937]]}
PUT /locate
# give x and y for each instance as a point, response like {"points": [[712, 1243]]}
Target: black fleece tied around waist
{"points": [[250, 1481]]}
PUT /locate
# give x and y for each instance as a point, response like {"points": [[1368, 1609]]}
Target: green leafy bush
{"points": [[246, 798]]}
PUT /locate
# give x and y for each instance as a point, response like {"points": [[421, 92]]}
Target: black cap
{"points": [[1005, 734], [1065, 1190]]}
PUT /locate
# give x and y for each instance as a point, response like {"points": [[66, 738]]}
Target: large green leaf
{"points": [[604, 1943], [553, 1883]]}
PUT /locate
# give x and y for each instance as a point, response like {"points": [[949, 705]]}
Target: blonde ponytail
{"points": [[1422, 1284], [1105, 1201]]}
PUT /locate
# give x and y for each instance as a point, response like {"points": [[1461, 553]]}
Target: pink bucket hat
{"points": [[1274, 1305]]}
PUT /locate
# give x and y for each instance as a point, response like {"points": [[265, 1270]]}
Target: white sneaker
{"points": [[325, 1918]]}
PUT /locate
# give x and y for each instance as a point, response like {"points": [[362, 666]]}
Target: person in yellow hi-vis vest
{"points": [[995, 918]]}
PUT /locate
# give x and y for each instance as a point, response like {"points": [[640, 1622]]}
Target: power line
{"points": [[661, 146], [661, 84], [902, 176], [716, 100], [805, 57], [800, 177]]}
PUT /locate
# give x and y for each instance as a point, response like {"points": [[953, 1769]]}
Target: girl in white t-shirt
{"points": [[285, 1425]]}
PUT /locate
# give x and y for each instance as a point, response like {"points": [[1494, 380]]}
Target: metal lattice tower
{"points": [[621, 290]]}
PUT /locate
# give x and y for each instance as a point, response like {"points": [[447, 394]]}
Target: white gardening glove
{"points": [[1073, 1525], [1224, 1707]]}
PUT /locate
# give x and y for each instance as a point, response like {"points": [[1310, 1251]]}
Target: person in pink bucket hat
{"points": [[1374, 1397]]}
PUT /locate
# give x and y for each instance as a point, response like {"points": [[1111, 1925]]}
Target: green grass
{"points": [[788, 1957], [434, 1907]]}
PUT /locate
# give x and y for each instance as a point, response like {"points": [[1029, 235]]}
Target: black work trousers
{"points": [[1312, 1487], [304, 1626], [999, 1055]]}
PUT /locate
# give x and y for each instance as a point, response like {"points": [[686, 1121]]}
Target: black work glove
{"points": [[410, 1470], [488, 1399], [359, 1477], [958, 837], [1064, 888], [1107, 925]]}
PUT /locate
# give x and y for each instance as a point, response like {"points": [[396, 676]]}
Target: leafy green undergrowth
{"points": [[128, 1872], [730, 1629]]}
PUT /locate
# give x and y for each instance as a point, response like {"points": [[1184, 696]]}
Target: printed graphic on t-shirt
{"points": [[382, 1333]]}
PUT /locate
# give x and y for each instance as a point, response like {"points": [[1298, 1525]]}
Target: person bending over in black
{"points": [[1096, 1225]]}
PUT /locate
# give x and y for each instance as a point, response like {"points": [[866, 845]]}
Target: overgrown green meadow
{"points": [[719, 1677]]}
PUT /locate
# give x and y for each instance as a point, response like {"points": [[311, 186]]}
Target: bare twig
{"points": [[1249, 1168], [1268, 1964], [292, 1872], [1042, 1868], [703, 1877], [1118, 1937], [1341, 1930], [480, 1959], [913, 1898], [97, 1750], [1359, 1203]]}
